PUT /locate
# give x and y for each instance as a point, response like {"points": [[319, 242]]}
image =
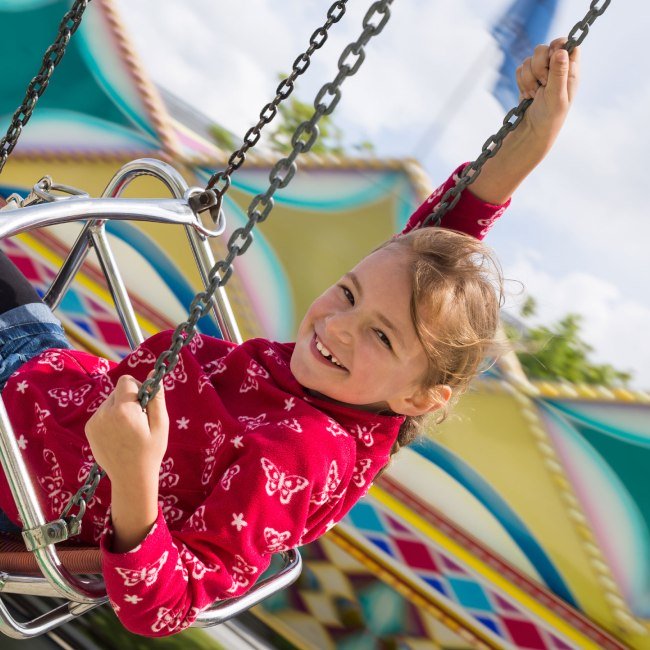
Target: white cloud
{"points": [[614, 325]]}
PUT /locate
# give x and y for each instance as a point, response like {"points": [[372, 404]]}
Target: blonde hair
{"points": [[456, 297]]}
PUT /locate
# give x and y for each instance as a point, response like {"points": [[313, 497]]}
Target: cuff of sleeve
{"points": [[158, 537]]}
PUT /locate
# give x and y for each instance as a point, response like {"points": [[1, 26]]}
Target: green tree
{"points": [[557, 351], [292, 112]]}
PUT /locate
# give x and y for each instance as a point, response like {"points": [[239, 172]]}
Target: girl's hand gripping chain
{"points": [[129, 444], [550, 78]]}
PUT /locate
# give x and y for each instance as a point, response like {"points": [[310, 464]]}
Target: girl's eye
{"points": [[384, 339], [348, 294]]}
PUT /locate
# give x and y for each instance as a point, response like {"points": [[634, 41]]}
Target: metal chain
{"points": [[280, 176], [40, 82], [208, 199], [510, 122]]}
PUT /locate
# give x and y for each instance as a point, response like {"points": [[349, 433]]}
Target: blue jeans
{"points": [[25, 332]]}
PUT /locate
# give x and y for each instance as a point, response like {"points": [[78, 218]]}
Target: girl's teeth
{"points": [[336, 361]]}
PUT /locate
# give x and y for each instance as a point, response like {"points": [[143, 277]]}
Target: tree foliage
{"points": [[558, 351]]}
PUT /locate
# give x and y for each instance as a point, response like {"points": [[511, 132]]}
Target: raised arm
{"points": [[550, 77]]}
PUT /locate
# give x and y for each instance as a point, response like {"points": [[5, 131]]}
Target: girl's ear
{"points": [[424, 401]]}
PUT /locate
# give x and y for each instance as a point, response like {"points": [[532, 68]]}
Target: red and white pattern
{"points": [[280, 482], [147, 575], [253, 372]]}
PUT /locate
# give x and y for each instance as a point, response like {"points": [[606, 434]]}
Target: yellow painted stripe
{"points": [[485, 571], [82, 279]]}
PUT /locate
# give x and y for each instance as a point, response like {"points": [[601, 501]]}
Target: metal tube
{"points": [[172, 211], [116, 286], [69, 269], [220, 303], [31, 514], [42, 624], [223, 610]]}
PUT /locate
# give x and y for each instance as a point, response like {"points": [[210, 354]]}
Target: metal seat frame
{"points": [[86, 592]]}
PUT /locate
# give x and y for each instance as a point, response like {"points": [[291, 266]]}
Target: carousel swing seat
{"points": [[30, 563]]}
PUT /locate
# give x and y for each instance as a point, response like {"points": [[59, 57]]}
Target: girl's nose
{"points": [[339, 326]]}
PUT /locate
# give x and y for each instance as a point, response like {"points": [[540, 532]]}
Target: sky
{"points": [[575, 236]]}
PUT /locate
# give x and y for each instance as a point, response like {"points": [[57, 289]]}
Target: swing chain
{"points": [[209, 199], [40, 82], [281, 174], [510, 122]]}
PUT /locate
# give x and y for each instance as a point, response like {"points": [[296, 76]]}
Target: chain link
{"points": [[510, 122], [40, 82], [220, 181]]}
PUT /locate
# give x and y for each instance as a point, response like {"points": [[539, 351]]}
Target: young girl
{"points": [[257, 448]]}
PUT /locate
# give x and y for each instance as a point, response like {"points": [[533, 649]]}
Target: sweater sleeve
{"points": [[471, 215], [264, 502]]}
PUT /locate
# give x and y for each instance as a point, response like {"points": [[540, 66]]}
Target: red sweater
{"points": [[254, 464]]}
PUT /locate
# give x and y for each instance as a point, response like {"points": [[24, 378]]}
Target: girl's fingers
{"points": [[528, 78], [574, 73], [557, 85], [539, 64]]}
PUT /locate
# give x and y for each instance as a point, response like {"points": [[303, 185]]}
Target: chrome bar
{"points": [[171, 211], [222, 610], [221, 307], [42, 624], [31, 514], [69, 269], [116, 285]]}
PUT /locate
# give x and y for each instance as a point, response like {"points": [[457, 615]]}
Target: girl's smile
{"points": [[357, 343]]}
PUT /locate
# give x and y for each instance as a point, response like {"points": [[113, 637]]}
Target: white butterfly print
{"points": [[176, 376], [335, 429], [197, 520], [66, 396], [99, 525], [167, 619], [180, 566], [41, 427], [102, 367], [210, 463], [253, 371], [196, 343], [53, 484], [53, 359], [275, 541], [106, 387], [148, 574], [331, 485], [168, 506], [215, 367], [275, 356], [203, 382], [292, 424], [365, 435], [360, 468], [240, 572], [278, 481], [230, 473], [167, 478], [199, 569], [141, 355], [213, 431], [87, 462], [253, 423]]}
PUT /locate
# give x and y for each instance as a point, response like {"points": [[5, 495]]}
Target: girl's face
{"points": [[357, 343]]}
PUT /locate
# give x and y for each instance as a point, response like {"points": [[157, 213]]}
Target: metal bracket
{"points": [[52, 532]]}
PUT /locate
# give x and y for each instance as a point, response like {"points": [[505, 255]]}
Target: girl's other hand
{"points": [[127, 442], [550, 78]]}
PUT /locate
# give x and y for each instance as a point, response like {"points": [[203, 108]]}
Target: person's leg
{"points": [[15, 288], [27, 325]]}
